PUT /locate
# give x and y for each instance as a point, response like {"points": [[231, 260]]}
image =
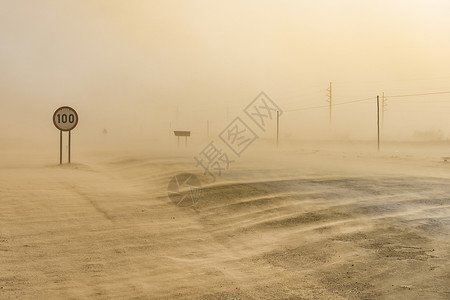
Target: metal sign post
{"points": [[69, 145], [60, 147], [65, 118], [182, 133]]}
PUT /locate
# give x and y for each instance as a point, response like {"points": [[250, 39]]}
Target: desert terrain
{"points": [[301, 221], [324, 214]]}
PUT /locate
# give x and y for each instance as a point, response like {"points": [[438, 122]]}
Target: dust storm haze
{"points": [[322, 215], [138, 67]]}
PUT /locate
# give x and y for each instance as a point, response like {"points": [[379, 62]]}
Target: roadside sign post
{"points": [[182, 133], [65, 118], [69, 145], [60, 147]]}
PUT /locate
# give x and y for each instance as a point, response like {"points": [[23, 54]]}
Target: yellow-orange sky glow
{"points": [[129, 66]]}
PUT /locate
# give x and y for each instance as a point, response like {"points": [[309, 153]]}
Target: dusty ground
{"points": [[312, 223]]}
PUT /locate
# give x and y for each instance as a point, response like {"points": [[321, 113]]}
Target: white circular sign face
{"points": [[65, 118]]}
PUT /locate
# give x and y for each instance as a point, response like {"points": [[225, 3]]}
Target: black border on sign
{"points": [[74, 111]]}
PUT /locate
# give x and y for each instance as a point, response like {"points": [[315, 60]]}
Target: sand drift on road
{"points": [[309, 225]]}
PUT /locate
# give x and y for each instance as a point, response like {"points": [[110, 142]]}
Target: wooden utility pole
{"points": [[330, 102], [382, 111], [378, 121], [330, 93], [278, 125]]}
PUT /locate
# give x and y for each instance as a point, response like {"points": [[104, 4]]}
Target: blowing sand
{"points": [[304, 221]]}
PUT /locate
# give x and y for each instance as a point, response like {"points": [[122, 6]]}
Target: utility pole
{"points": [[383, 109], [330, 92], [207, 128], [378, 121], [278, 125]]}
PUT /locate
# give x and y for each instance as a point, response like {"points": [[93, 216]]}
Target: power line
{"points": [[306, 108], [335, 104], [420, 101], [366, 99], [422, 94], [352, 82]]}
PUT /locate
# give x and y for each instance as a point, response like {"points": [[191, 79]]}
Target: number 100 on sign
{"points": [[65, 118]]}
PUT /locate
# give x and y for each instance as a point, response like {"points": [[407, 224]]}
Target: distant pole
{"points": [[382, 111], [69, 144], [60, 147], [278, 125], [330, 103], [378, 121], [207, 128]]}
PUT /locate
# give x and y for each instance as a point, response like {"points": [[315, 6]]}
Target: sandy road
{"points": [[107, 230]]}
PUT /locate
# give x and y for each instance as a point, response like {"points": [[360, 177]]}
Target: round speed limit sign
{"points": [[65, 118]]}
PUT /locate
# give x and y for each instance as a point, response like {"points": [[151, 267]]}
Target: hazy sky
{"points": [[130, 66]]}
